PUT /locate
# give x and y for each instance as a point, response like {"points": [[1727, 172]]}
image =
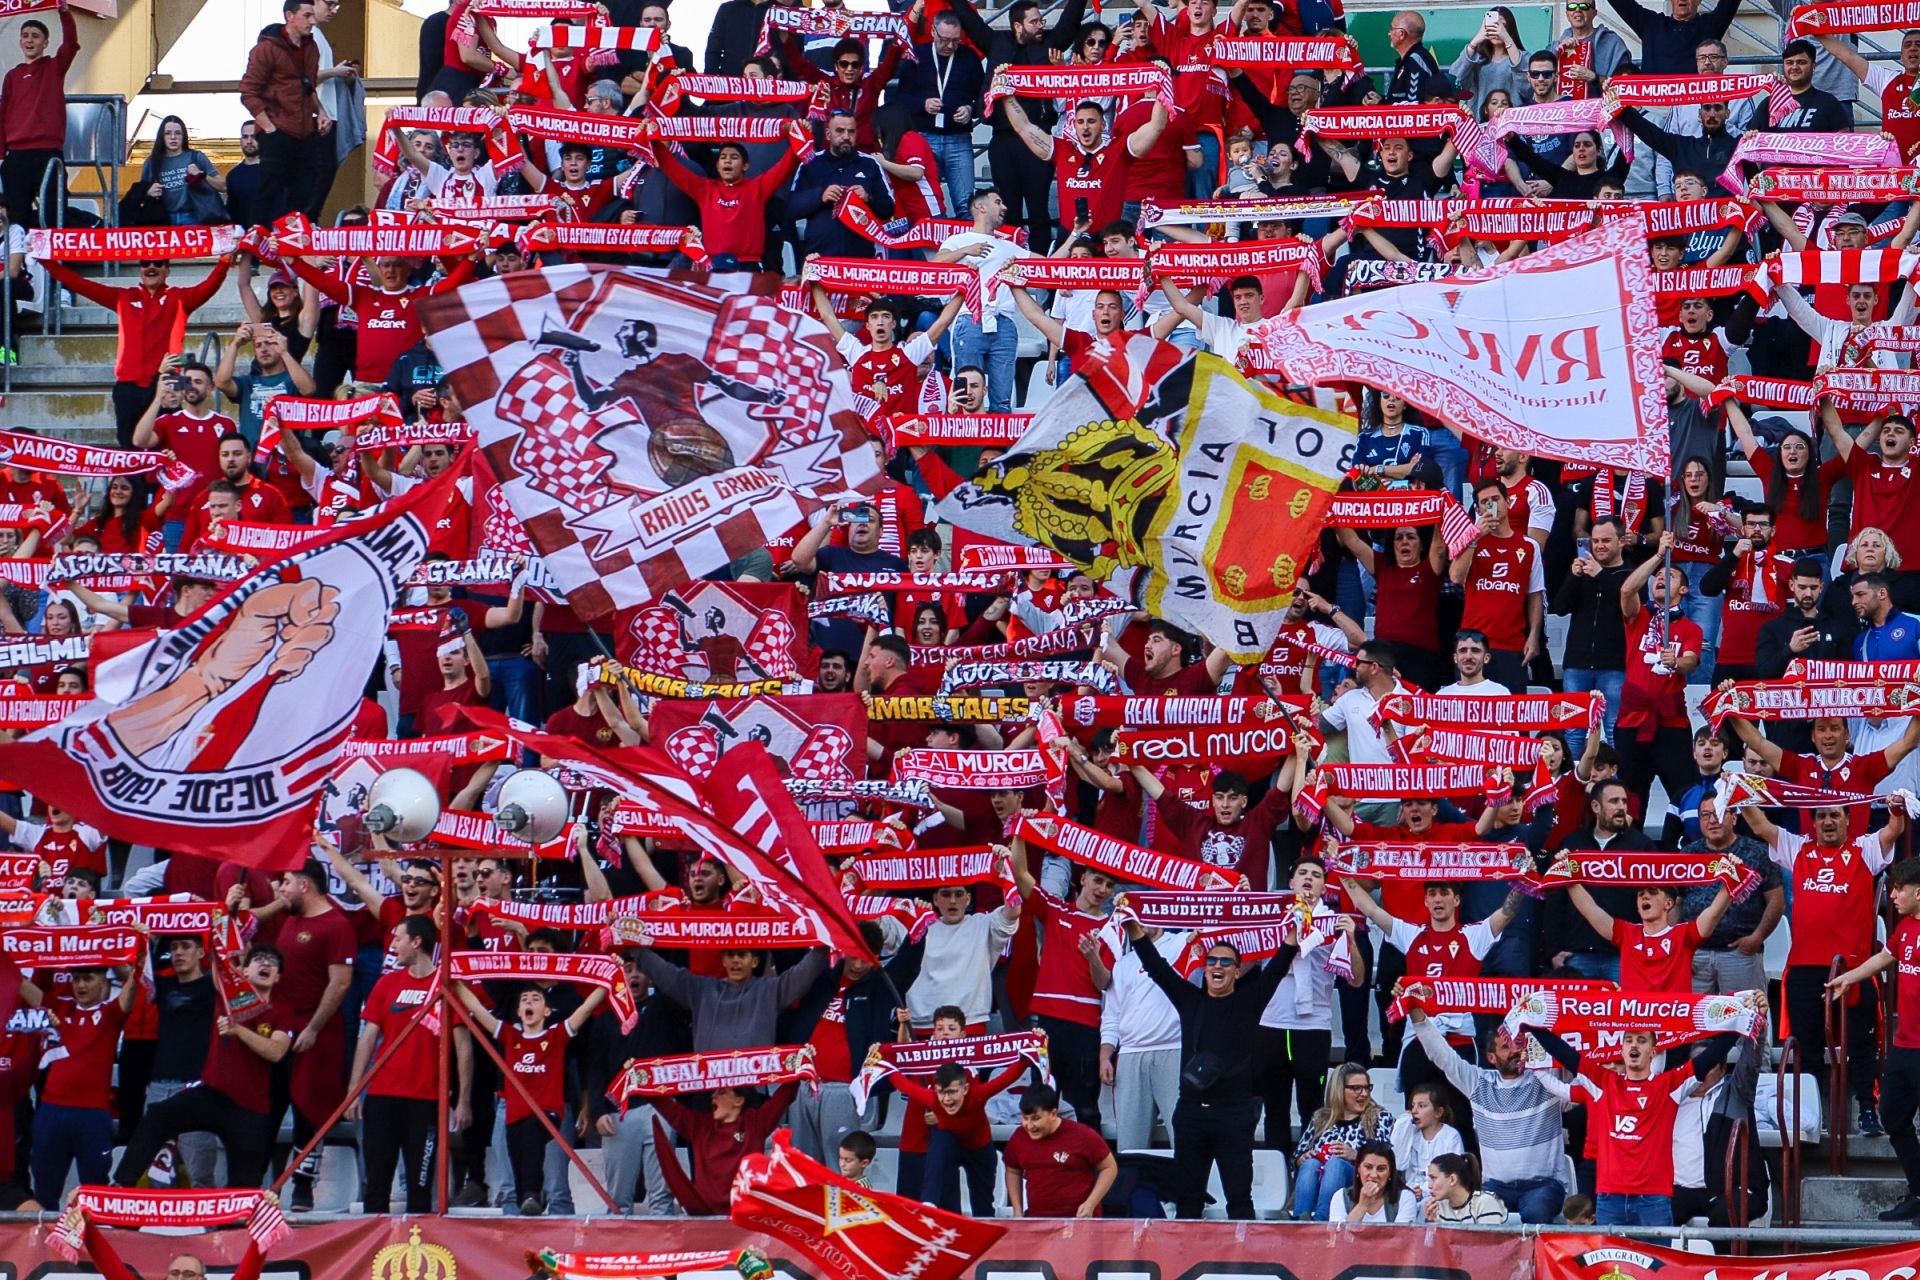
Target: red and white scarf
{"points": [[1284, 208], [502, 151], [1495, 996], [1629, 868], [975, 770], [626, 1266], [1711, 282], [855, 836], [1449, 745], [1845, 150], [1673, 1018], [65, 458], [1424, 860], [1393, 508], [1839, 266], [915, 279], [1575, 55], [839, 22], [962, 429], [571, 915], [1846, 16], [1684, 217], [929, 869], [125, 1207], [1869, 390], [745, 927], [1391, 781], [552, 10], [1062, 640], [462, 748], [622, 133], [295, 237], [924, 1057], [1571, 115], [987, 675], [1374, 123], [1190, 264], [1834, 186], [160, 916], [596, 36], [1128, 863], [1078, 83], [405, 435], [607, 237], [1126, 275], [1518, 712], [1770, 393], [1285, 52], [131, 244], [602, 972], [72, 947], [1804, 699], [25, 712], [1656, 92], [705, 1072]]}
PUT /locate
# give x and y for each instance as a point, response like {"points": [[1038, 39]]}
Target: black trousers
{"points": [[1024, 181], [1802, 988], [389, 1129], [470, 1146], [1899, 1099], [333, 357], [1355, 1032], [1291, 1067], [136, 1072], [527, 1141], [21, 173], [246, 1135], [290, 172], [1210, 1133], [1074, 1050], [130, 401], [1668, 757]]}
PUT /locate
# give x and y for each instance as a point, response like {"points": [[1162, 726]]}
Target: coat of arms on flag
{"points": [[1186, 488], [646, 430], [719, 631]]}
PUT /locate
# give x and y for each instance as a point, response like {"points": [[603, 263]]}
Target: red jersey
{"points": [[541, 1063], [389, 322], [1194, 72], [1851, 774], [733, 215], [31, 488], [80, 846], [1406, 603], [832, 1056], [1791, 530], [260, 503], [196, 442], [1898, 114], [1505, 572], [80, 1053], [1058, 1171], [414, 1070], [1884, 498], [1832, 902], [590, 729], [582, 203], [1064, 987], [1704, 354], [1905, 946], [1407, 899], [1100, 176], [152, 324], [1698, 543], [891, 378], [1443, 953], [310, 944], [1656, 961], [1754, 596], [1651, 700], [242, 1075], [1634, 1123], [916, 199]]}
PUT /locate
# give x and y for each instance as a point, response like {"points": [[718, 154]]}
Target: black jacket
{"points": [[824, 233], [1773, 650], [1222, 1027], [866, 1007], [734, 36], [1597, 639], [1003, 50], [1703, 154], [1666, 43], [661, 1031]]}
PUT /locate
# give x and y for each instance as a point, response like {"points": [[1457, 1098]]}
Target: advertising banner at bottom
{"points": [[1583, 1257], [495, 1249]]}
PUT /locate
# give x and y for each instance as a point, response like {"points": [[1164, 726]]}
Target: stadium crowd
{"points": [[1153, 1043]]}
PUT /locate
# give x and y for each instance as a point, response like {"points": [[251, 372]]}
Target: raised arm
{"points": [[1036, 139], [1050, 328]]}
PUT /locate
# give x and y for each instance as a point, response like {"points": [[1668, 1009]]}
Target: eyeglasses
{"points": [[1359, 1086], [1220, 962], [416, 882]]}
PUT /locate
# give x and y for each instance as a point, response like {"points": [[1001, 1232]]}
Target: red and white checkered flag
{"points": [[659, 645], [1457, 527], [746, 401], [557, 453], [695, 749], [824, 754], [770, 644]]}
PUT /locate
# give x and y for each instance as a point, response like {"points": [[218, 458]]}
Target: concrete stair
{"points": [[63, 381], [1873, 1182]]}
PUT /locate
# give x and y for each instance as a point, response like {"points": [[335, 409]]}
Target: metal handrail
{"points": [[1733, 1178], [1834, 1010], [50, 315], [1788, 1068]]}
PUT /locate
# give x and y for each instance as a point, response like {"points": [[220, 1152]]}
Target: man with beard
{"points": [[243, 180], [824, 180]]}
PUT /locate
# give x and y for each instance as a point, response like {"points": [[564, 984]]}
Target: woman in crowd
{"points": [[1326, 1157]]}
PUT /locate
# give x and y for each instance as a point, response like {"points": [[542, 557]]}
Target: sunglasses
{"points": [[1220, 962], [849, 63], [1579, 8], [416, 882], [1541, 75]]}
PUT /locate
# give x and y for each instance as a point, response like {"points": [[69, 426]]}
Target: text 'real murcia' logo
{"points": [[414, 1261]]}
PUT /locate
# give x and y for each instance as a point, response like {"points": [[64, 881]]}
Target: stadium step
{"points": [[1856, 1198], [82, 416]]}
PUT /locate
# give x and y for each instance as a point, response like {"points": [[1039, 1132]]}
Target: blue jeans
{"points": [[1704, 612], [994, 352], [1537, 1200], [1633, 1211], [1585, 680], [516, 687], [1602, 965], [1445, 451], [1353, 587], [940, 1175], [171, 531], [1314, 1184], [954, 151]]}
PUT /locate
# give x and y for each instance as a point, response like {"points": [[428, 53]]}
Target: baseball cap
{"points": [[1847, 219]]}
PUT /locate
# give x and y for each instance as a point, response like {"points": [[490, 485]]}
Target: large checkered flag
{"points": [[647, 430]]}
